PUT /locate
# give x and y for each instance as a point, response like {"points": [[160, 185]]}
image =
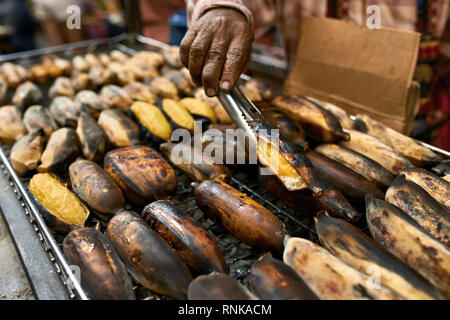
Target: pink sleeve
{"points": [[196, 8]]}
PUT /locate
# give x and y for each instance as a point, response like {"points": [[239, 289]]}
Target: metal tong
{"points": [[241, 111]]}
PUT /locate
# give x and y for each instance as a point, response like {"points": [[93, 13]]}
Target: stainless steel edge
{"points": [[61, 48], [40, 223], [29, 244]]}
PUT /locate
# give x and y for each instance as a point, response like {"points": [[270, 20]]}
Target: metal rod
{"points": [[39, 220], [61, 48], [152, 42]]}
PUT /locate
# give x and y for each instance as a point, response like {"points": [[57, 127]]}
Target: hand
{"points": [[217, 48]]}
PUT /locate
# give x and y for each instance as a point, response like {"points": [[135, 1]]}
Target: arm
{"points": [[217, 46]]}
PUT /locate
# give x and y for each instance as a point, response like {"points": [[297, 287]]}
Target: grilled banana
{"points": [[308, 205], [80, 64], [118, 56], [140, 92], [92, 59], [82, 81], [65, 111], [359, 251], [194, 163], [39, 74], [345, 180], [181, 80], [420, 206], [141, 68], [217, 286], [142, 174], [62, 87], [60, 208], [199, 108], [319, 123], [93, 139], [329, 277], [359, 163], [101, 76], [61, 150], [11, 125], [104, 59], [121, 130], [26, 94], [406, 240], [436, 187], [257, 90], [96, 188], [23, 73], [26, 152], [338, 112], [243, 217], [37, 117], [152, 58], [64, 65], [178, 114], [377, 151], [404, 145], [152, 119], [90, 102], [103, 274], [172, 57], [51, 68], [10, 74], [123, 74], [151, 261], [164, 88], [214, 103], [275, 158], [271, 279], [115, 97], [289, 128], [186, 236]]}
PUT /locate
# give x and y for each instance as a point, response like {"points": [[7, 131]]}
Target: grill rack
{"points": [[238, 256], [239, 264]]}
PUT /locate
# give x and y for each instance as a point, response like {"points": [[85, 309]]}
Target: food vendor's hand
{"points": [[216, 49]]}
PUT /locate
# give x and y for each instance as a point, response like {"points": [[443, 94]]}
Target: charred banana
{"points": [[103, 274], [319, 123], [141, 173], [151, 261], [243, 217], [357, 162], [121, 130], [421, 207], [95, 187], [359, 251], [186, 236], [406, 240]]}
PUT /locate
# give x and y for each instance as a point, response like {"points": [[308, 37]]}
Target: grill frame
{"points": [[52, 246]]}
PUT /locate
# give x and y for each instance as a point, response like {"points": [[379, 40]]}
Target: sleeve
{"points": [[197, 8]]}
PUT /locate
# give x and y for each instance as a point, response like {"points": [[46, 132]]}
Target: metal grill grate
{"points": [[239, 256]]}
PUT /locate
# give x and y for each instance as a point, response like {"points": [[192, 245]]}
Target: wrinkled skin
{"points": [[216, 49]]}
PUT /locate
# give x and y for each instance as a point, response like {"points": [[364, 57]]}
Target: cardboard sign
{"points": [[361, 70]]}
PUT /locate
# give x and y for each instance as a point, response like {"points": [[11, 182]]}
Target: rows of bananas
{"points": [[102, 149]]}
